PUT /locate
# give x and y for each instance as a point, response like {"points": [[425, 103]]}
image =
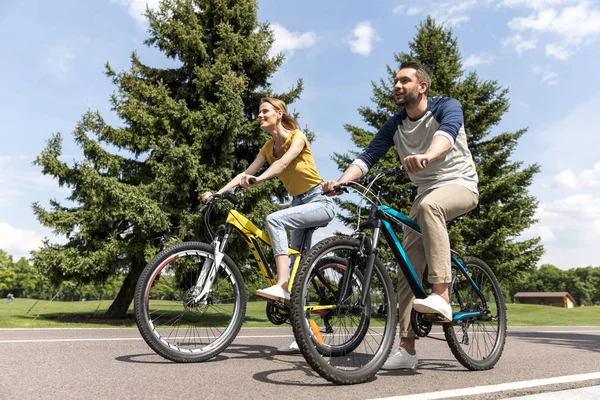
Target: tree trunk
{"points": [[119, 307]]}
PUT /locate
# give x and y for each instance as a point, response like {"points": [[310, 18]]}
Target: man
{"points": [[430, 139]]}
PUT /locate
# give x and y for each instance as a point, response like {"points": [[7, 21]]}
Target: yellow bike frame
{"points": [[252, 233]]}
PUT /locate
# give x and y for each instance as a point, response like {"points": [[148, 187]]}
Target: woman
{"points": [[290, 159]]}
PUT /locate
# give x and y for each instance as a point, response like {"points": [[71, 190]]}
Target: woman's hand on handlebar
{"points": [[206, 197], [248, 181]]}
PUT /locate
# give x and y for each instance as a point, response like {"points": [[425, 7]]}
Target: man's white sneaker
{"points": [[290, 348], [434, 304], [400, 359], [274, 292]]}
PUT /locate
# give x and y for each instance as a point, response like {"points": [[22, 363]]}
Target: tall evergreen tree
{"points": [[505, 206], [185, 130]]}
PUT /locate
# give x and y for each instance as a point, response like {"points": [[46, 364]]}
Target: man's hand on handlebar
{"points": [[415, 162], [328, 188]]}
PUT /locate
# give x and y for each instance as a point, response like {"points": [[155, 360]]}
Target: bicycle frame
{"points": [[252, 235], [382, 219], [389, 216]]}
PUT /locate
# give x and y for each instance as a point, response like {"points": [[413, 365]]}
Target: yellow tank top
{"points": [[301, 175]]}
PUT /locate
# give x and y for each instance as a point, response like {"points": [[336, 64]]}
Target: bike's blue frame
{"points": [[389, 216]]}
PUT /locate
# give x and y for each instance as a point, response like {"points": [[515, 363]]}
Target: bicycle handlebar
{"points": [[368, 179], [228, 195]]}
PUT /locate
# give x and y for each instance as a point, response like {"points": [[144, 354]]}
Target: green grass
{"points": [[86, 314], [534, 315], [22, 314]]}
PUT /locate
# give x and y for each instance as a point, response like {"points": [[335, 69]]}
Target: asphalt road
{"points": [[117, 364]]}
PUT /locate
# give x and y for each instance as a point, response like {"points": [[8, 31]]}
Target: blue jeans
{"points": [[308, 210]]}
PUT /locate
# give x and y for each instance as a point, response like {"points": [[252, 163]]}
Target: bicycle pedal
{"points": [[280, 305], [431, 317]]}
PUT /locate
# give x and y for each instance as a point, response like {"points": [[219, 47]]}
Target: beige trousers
{"points": [[431, 211]]}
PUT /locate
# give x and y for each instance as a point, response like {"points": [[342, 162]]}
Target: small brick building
{"points": [[555, 299]]}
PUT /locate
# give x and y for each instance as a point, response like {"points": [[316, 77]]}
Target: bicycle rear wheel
{"points": [[343, 342], [172, 320], [478, 332]]}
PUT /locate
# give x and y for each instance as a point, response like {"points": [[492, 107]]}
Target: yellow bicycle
{"points": [[190, 300]]}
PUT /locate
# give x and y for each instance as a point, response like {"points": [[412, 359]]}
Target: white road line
{"points": [[496, 388], [123, 339]]}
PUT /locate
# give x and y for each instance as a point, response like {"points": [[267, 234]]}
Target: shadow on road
{"points": [[581, 341], [147, 358], [234, 351], [288, 375], [426, 364]]}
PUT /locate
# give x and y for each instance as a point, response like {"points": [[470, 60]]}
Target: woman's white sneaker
{"points": [[400, 359], [274, 292]]}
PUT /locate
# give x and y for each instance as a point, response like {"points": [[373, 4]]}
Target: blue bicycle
{"points": [[345, 322]]}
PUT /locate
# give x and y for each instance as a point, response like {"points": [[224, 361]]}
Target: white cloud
{"points": [[557, 51], [18, 242], [18, 180], [548, 76], [286, 41], [535, 4], [409, 11], [589, 178], [477, 59], [453, 12], [399, 9], [362, 41], [137, 8], [60, 56], [574, 23], [569, 229], [59, 59], [413, 11], [520, 44]]}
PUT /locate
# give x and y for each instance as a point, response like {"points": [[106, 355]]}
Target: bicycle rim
{"points": [[477, 342], [172, 320]]}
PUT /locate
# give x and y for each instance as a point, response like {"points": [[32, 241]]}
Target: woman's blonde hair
{"points": [[290, 123]]}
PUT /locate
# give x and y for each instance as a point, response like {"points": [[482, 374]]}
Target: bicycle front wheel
{"points": [[174, 320], [478, 332], [344, 342]]}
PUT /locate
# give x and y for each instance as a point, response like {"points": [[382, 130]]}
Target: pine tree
{"points": [[506, 208], [186, 130]]}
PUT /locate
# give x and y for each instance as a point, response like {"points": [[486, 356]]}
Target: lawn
{"points": [[29, 313]]}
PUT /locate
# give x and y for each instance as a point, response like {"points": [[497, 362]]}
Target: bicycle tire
{"points": [[477, 342], [357, 350], [169, 319]]}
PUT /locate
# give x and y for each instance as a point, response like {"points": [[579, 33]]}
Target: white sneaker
{"points": [[400, 359], [274, 292], [290, 348], [434, 304]]}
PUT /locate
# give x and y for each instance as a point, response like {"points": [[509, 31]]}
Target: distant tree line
{"points": [[24, 280], [581, 283]]}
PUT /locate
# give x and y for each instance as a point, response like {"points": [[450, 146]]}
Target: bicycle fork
{"points": [[210, 269], [370, 266]]}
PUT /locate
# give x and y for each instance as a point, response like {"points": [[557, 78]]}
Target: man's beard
{"points": [[410, 99]]}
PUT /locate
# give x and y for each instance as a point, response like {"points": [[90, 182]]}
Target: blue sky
{"points": [[544, 51]]}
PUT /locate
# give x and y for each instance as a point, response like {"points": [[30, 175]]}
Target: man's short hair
{"points": [[422, 72]]}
